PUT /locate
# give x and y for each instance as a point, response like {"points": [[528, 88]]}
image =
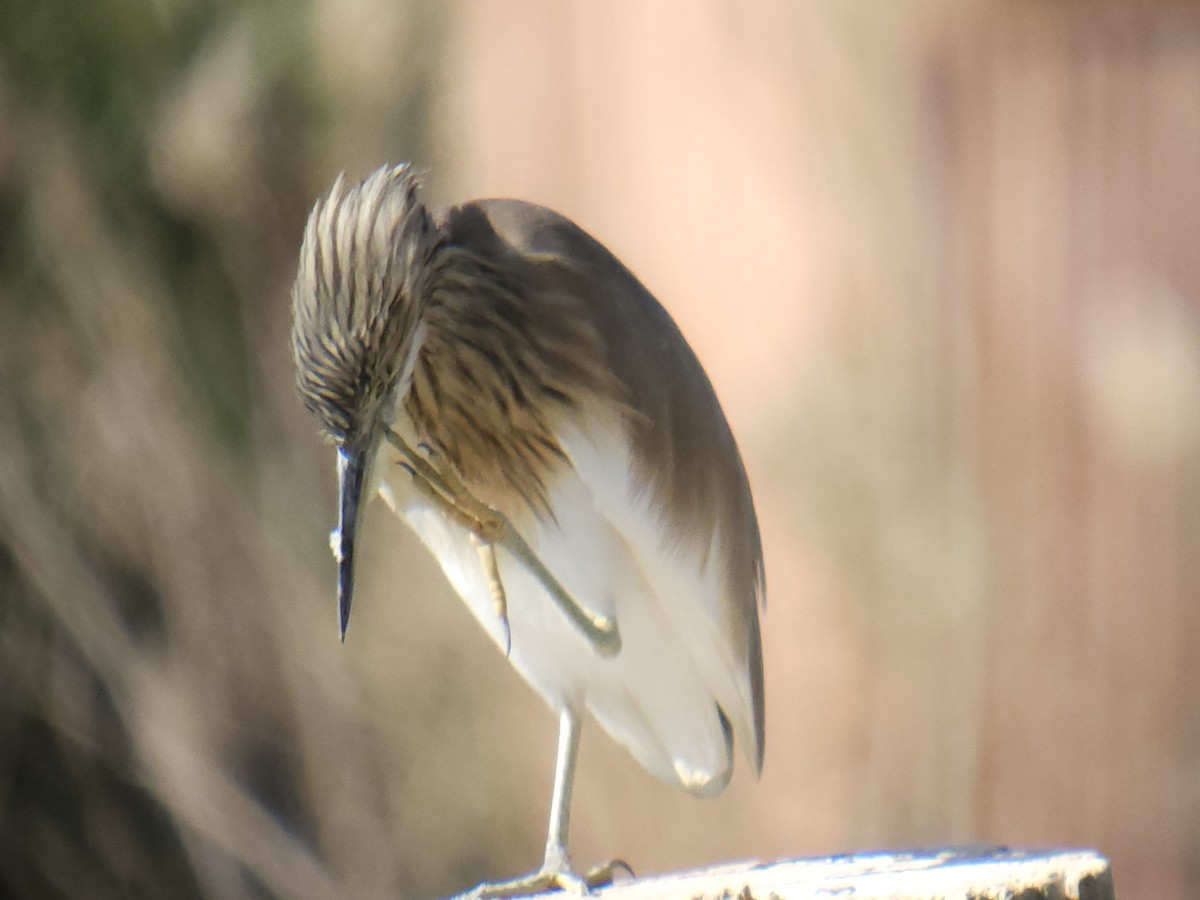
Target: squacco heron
{"points": [[529, 409]]}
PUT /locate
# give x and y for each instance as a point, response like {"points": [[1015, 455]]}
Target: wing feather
{"points": [[681, 461]]}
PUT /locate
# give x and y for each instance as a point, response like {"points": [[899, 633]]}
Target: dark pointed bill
{"points": [[351, 466]]}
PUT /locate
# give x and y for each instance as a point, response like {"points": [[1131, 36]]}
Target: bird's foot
{"points": [[541, 882], [548, 880]]}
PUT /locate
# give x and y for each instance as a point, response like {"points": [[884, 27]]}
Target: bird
{"points": [[520, 399]]}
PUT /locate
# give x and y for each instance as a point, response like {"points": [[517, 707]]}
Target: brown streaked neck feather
{"points": [[500, 365]]}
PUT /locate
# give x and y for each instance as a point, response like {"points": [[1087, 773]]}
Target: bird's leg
{"points": [[487, 555], [480, 532], [557, 859], [555, 873], [491, 526], [487, 549]]}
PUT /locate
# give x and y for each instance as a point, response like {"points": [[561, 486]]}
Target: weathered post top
{"points": [[964, 873]]}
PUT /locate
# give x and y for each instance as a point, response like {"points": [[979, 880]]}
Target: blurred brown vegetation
{"points": [[941, 261]]}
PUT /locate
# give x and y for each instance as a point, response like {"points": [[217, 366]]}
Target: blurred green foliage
{"points": [[113, 280]]}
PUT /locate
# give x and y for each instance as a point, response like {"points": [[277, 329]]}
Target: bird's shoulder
{"points": [[518, 234]]}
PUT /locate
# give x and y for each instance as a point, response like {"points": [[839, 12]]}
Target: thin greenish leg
{"points": [[557, 858]]}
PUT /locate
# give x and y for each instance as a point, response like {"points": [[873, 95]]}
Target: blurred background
{"points": [[941, 262]]}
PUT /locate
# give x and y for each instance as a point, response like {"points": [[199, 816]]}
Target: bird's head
{"points": [[356, 305]]}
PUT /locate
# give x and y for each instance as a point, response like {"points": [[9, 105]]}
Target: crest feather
{"points": [[357, 294]]}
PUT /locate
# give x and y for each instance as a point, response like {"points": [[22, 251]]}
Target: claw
{"points": [[603, 876]]}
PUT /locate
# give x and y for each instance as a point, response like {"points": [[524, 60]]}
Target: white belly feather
{"points": [[659, 695]]}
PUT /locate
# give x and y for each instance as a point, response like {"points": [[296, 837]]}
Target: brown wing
{"points": [[683, 450]]}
